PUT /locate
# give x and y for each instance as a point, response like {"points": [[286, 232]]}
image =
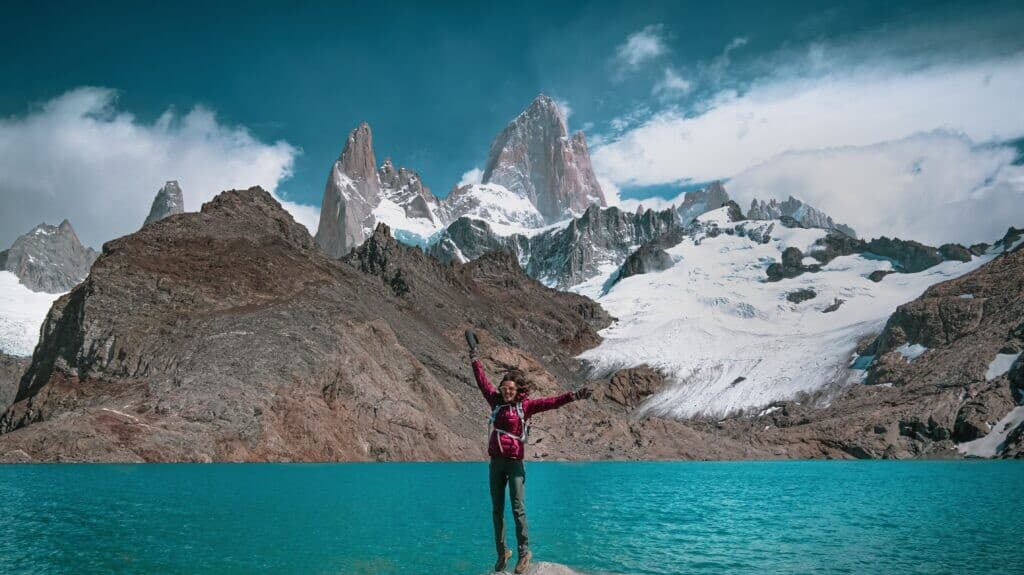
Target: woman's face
{"points": [[507, 390]]}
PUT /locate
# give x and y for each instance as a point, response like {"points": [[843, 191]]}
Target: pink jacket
{"points": [[501, 445]]}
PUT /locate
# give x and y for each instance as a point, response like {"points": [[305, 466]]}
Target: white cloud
{"points": [[656, 203], [564, 109], [671, 85], [78, 156], [835, 112], [934, 188], [474, 176], [640, 47]]}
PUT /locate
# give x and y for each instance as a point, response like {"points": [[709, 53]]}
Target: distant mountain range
{"points": [[233, 334]]}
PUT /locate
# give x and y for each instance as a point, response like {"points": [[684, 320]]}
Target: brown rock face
{"points": [[351, 194], [535, 157], [11, 369]]}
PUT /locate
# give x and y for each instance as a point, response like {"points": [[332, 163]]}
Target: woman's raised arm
{"points": [[490, 394]]}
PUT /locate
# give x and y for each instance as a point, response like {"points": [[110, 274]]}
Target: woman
{"points": [[511, 408]]}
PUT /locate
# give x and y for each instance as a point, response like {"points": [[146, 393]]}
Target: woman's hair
{"points": [[519, 378]]}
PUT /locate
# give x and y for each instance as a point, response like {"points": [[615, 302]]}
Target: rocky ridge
{"points": [[806, 215]]}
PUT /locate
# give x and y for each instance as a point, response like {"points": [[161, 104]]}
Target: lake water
{"points": [[872, 517]]}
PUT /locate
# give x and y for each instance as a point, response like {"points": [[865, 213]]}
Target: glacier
{"points": [[728, 340]]}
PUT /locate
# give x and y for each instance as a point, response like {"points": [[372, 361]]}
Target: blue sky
{"points": [[668, 94]]}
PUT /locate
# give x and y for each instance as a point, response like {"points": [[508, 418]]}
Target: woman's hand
{"points": [[582, 393]]}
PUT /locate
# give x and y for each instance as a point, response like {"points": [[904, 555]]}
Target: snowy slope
{"points": [[408, 230], [505, 211], [22, 312], [730, 340]]}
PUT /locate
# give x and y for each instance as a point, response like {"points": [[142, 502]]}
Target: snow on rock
{"points": [[910, 352], [992, 443], [1000, 365], [506, 212], [726, 337], [22, 312], [408, 230]]}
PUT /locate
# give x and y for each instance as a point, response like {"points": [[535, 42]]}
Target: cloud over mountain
{"points": [[856, 141], [79, 156]]}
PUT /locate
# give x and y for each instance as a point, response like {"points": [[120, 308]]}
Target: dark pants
{"points": [[508, 471]]}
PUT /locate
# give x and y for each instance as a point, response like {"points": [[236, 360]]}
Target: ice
{"points": [[1000, 365], [992, 444], [22, 312], [713, 318], [910, 352], [418, 231], [505, 211]]}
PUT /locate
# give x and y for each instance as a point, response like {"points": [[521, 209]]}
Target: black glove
{"points": [[582, 393], [474, 345]]}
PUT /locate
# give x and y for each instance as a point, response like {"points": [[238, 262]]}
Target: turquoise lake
{"points": [[873, 517]]}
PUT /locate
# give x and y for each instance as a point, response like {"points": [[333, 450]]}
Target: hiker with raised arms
{"points": [[511, 409]]}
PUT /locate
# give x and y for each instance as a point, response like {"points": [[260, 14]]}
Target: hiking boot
{"points": [[503, 557], [524, 562]]}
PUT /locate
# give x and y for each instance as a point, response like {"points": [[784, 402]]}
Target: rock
{"points": [[168, 201], [879, 275], [833, 306], [48, 258], [910, 256], [11, 370], [735, 213], [535, 158], [791, 265], [352, 192], [797, 214], [979, 414], [801, 295], [646, 259], [1010, 240], [1016, 377], [834, 245], [979, 249], [1013, 446], [702, 201], [955, 252], [630, 387]]}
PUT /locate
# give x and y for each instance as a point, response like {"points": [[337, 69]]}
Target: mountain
{"points": [[560, 256], [808, 216], [228, 334], [48, 258], [944, 378], [358, 195], [729, 341], [702, 201], [168, 201], [352, 191], [534, 157]]}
